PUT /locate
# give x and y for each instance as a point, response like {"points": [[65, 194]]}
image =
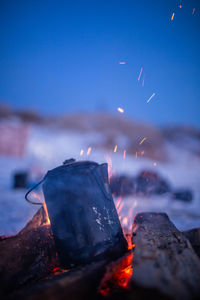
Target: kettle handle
{"points": [[26, 196]]}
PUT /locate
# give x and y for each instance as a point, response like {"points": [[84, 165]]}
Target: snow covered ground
{"points": [[47, 148]]}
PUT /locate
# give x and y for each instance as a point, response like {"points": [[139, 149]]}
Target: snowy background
{"points": [[173, 153]]}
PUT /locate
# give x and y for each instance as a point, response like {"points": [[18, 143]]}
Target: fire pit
{"points": [[82, 252]]}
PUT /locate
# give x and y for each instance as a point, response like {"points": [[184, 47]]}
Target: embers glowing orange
{"points": [[118, 275]]}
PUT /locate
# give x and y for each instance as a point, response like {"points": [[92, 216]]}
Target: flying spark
{"points": [[122, 62], [115, 149], [155, 164], [193, 11], [144, 139], [121, 110], [81, 152], [89, 151], [125, 221], [151, 97], [143, 82], [124, 154], [180, 6], [172, 16], [140, 74]]}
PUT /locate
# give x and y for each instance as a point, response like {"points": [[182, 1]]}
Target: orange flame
{"points": [[37, 196], [118, 274], [46, 214]]}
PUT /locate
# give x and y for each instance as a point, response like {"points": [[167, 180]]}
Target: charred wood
{"points": [[28, 256], [164, 258], [193, 236]]}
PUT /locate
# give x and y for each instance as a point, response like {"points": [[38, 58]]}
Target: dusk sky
{"points": [[59, 57]]}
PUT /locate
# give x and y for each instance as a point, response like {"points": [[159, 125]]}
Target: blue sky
{"points": [[63, 56]]}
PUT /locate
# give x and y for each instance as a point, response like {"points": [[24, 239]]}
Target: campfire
{"points": [[75, 247]]}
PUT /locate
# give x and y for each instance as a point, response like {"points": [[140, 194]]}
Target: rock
{"points": [[20, 180], [148, 183], [183, 195], [122, 185], [193, 236]]}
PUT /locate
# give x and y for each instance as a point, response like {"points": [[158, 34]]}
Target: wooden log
{"points": [[76, 284], [163, 266], [193, 236], [28, 256], [164, 259]]}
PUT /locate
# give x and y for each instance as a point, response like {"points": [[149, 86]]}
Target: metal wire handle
{"points": [[26, 196]]}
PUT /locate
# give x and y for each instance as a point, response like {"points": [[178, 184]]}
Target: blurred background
{"points": [[114, 81]]}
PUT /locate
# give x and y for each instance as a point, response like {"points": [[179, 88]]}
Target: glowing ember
{"points": [[129, 241], [89, 151], [58, 270], [130, 247], [144, 139], [124, 156], [118, 275], [121, 110], [172, 16], [151, 97], [81, 152], [115, 149], [180, 6], [140, 74]]}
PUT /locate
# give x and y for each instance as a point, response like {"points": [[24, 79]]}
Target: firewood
{"points": [[193, 236], [28, 256], [163, 265], [163, 258]]}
